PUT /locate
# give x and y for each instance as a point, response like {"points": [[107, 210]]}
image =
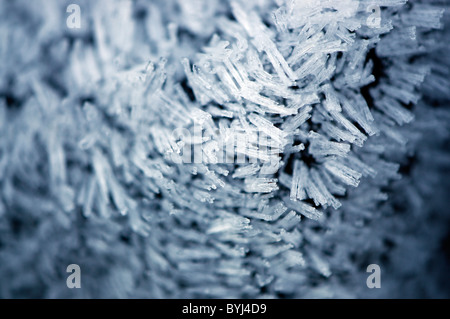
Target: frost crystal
{"points": [[222, 149]]}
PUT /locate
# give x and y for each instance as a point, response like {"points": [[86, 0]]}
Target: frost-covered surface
{"points": [[352, 169]]}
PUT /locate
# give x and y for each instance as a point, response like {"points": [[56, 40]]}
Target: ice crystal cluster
{"points": [[223, 149]]}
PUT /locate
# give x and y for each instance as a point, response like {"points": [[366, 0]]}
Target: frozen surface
{"points": [[185, 149]]}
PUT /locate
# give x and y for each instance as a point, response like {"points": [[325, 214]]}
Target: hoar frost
{"points": [[217, 149]]}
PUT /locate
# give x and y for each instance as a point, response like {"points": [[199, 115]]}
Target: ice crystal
{"points": [[222, 149]]}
